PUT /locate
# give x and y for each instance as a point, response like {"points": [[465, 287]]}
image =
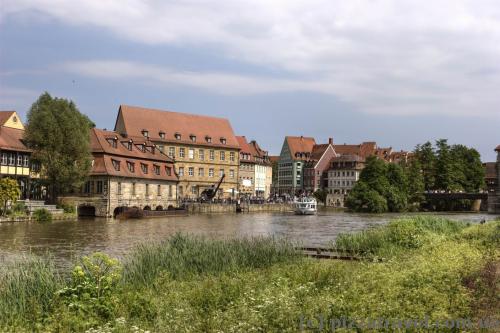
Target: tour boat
{"points": [[305, 206]]}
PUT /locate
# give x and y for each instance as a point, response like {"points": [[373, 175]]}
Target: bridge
{"points": [[457, 196]]}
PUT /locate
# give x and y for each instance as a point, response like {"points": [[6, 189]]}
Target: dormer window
{"points": [[177, 136], [131, 166], [145, 133], [116, 164], [223, 141], [113, 142], [208, 139], [144, 168], [162, 135], [129, 145], [193, 137], [157, 169], [141, 147]]}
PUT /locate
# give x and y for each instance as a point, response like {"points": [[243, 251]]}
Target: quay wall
{"points": [[194, 208]]}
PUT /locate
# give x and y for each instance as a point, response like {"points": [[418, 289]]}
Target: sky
{"points": [[398, 72]]}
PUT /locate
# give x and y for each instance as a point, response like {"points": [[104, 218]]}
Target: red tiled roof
{"points": [[137, 119], [274, 159], [245, 147], [364, 150], [104, 154], [318, 151], [490, 169], [4, 116], [11, 139], [300, 144]]}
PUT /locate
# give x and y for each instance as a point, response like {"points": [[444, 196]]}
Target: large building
{"points": [[315, 169], [16, 157], [204, 148], [296, 150], [126, 172], [343, 174], [255, 173]]}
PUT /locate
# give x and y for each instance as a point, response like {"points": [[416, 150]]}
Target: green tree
{"points": [[427, 158], [9, 191], [321, 195], [416, 184], [59, 136], [364, 199], [468, 168]]}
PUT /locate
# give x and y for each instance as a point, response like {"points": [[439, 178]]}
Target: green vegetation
{"points": [[387, 187], [434, 268], [321, 195], [42, 215], [9, 192], [65, 158]]}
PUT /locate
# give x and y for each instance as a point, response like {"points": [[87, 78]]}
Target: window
{"points": [[177, 136], [131, 167], [168, 170], [181, 171], [158, 190], [161, 148], [119, 190], [4, 159], [201, 154], [182, 152], [201, 172], [19, 160], [99, 187], [113, 142], [221, 172], [145, 133], [116, 165], [208, 139], [210, 172], [222, 155], [144, 168], [171, 152], [147, 189], [191, 153], [86, 188], [169, 191], [91, 187], [194, 190], [26, 161], [212, 155], [231, 156], [231, 173], [193, 138], [12, 159], [157, 169], [162, 135], [223, 141], [133, 188], [191, 171]]}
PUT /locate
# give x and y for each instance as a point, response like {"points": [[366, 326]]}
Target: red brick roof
{"points": [[300, 145], [4, 116], [104, 153], [490, 169], [318, 151], [364, 150], [137, 119], [245, 147], [11, 139]]}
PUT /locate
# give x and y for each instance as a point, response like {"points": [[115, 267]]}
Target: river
{"points": [[67, 240]]}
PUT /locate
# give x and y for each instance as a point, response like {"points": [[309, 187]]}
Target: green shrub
{"points": [[67, 207], [42, 215], [93, 282]]}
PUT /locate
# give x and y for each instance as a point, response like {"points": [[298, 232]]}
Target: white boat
{"points": [[305, 206]]}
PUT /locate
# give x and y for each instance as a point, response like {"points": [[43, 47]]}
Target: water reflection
{"points": [[67, 240]]}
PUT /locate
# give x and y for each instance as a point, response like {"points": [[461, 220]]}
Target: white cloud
{"points": [[385, 56]]}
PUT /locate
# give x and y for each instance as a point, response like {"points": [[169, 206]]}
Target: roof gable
{"points": [[300, 147], [11, 119]]}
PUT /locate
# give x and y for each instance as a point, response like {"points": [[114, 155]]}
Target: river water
{"points": [[67, 240]]}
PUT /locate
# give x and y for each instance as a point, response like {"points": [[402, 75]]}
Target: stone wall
{"points": [[231, 208]]}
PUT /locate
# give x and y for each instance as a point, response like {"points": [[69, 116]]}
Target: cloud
{"points": [[384, 57]]}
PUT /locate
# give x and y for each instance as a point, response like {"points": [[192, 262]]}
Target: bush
{"points": [[42, 215], [67, 207]]}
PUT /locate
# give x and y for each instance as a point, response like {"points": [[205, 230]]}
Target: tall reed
{"points": [[185, 255]]}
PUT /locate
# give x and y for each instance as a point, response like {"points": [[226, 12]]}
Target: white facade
{"points": [[263, 179], [342, 181]]}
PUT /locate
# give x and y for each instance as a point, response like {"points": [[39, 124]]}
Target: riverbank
{"points": [[212, 208], [435, 268]]}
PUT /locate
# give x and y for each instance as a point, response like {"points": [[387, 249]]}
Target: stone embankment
{"points": [[194, 208]]}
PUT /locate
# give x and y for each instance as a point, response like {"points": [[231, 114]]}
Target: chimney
{"points": [[330, 141]]}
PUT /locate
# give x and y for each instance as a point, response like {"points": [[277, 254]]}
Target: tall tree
{"points": [[416, 184], [426, 156], [59, 136]]}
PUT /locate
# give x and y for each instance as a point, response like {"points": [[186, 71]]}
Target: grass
{"points": [[437, 269]]}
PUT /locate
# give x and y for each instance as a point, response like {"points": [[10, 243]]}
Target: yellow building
{"points": [[15, 157], [204, 148]]}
